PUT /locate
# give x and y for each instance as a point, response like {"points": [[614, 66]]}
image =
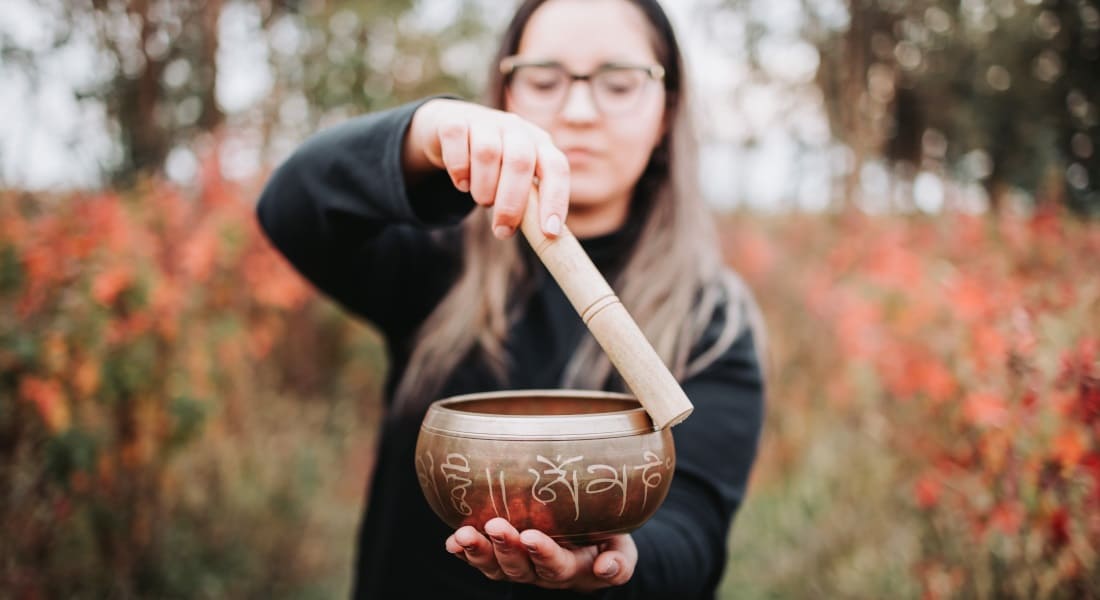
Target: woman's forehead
{"points": [[584, 34]]}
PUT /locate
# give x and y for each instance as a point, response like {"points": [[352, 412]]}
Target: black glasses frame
{"points": [[510, 64]]}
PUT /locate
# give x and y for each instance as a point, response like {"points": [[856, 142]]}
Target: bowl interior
{"points": [[538, 414], [535, 405]]}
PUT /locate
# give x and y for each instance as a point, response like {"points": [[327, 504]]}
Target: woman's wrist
{"points": [[417, 152]]}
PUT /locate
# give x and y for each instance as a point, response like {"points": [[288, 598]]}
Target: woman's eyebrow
{"points": [[612, 64], [621, 63]]}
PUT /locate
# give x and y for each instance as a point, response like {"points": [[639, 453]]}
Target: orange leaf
{"points": [[1007, 516], [984, 409], [937, 381], [858, 326], [970, 297], [927, 490], [199, 253], [86, 378], [1069, 447], [895, 267], [989, 346], [751, 253], [49, 399], [273, 282], [107, 286]]}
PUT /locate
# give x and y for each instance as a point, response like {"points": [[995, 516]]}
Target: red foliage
{"points": [[927, 489], [1059, 527], [48, 398], [980, 339], [983, 409], [130, 325]]}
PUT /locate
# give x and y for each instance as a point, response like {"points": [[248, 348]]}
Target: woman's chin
{"points": [[582, 198]]}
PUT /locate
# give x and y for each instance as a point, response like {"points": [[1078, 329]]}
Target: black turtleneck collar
{"points": [[610, 251]]}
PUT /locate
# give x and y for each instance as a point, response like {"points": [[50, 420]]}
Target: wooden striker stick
{"points": [[608, 320]]}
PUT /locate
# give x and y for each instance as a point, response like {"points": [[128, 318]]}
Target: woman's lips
{"points": [[579, 155]]}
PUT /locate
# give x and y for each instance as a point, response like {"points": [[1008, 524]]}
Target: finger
{"points": [[615, 564], [552, 563], [614, 567], [452, 545], [479, 552], [484, 162], [510, 554], [456, 549], [552, 169], [454, 144], [517, 167]]}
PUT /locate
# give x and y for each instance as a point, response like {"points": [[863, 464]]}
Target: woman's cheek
{"points": [[632, 163]]}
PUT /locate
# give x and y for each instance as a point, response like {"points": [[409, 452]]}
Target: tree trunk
{"points": [[212, 116], [145, 138]]}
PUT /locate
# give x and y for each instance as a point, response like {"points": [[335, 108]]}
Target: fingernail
{"points": [[553, 225], [464, 185], [502, 232], [497, 539], [531, 548], [611, 570]]}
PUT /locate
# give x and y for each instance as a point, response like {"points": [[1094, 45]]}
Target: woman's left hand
{"points": [[533, 557]]}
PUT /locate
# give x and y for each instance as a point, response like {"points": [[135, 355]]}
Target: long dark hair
{"points": [[672, 283]]}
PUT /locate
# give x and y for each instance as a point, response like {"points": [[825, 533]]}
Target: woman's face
{"points": [[607, 152]]}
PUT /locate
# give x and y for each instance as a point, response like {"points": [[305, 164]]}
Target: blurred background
{"points": [[910, 188]]}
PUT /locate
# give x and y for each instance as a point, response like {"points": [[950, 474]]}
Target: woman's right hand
{"points": [[495, 156]]}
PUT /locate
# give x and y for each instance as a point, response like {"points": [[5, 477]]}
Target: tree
{"points": [[1001, 92], [159, 63]]}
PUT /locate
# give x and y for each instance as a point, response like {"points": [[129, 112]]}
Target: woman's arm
{"points": [[350, 215], [350, 208]]}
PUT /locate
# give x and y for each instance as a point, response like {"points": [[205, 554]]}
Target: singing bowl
{"points": [[577, 465]]}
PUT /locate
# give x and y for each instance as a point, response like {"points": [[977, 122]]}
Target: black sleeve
{"points": [[682, 548], [339, 210]]}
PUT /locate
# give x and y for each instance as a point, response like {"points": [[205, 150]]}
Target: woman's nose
{"points": [[580, 106]]}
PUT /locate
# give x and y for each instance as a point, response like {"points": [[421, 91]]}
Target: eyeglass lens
{"points": [[545, 87]]}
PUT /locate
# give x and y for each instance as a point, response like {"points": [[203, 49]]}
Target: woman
{"points": [[588, 100]]}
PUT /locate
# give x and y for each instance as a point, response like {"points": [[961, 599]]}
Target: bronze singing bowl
{"points": [[576, 465]]}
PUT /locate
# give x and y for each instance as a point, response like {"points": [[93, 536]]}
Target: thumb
{"points": [[616, 561], [614, 567]]}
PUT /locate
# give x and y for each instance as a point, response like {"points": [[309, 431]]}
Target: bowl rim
{"points": [[442, 419]]}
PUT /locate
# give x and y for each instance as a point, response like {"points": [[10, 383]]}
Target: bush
{"points": [[181, 416], [169, 392], [936, 407]]}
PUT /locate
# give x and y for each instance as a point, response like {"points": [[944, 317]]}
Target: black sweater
{"points": [[339, 210]]}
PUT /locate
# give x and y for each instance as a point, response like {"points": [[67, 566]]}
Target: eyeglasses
{"points": [[542, 87]]}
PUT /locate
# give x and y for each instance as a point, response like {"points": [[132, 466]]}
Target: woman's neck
{"points": [[596, 219]]}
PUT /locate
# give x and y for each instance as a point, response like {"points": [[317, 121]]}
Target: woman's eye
{"points": [[544, 85], [540, 79], [619, 87], [619, 83]]}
